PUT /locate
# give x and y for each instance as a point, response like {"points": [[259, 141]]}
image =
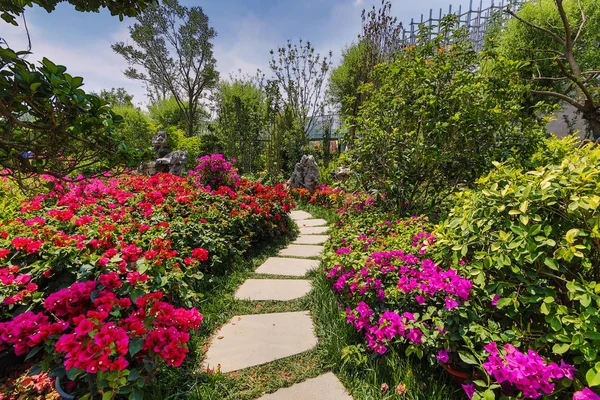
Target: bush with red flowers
{"points": [[98, 278]]}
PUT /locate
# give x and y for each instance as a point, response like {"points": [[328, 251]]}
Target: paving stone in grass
{"points": [[326, 387], [299, 214], [311, 239], [311, 222], [300, 250], [287, 266], [314, 230], [273, 289], [250, 340]]}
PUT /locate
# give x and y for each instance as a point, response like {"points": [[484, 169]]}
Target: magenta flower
{"points": [[495, 300], [443, 356], [469, 390], [586, 394], [451, 303]]}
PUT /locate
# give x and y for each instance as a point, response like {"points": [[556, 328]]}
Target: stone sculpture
{"points": [[306, 174], [173, 162]]}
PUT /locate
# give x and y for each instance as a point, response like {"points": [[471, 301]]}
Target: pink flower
{"points": [[469, 390], [451, 303], [495, 300], [385, 387], [443, 356], [586, 394]]}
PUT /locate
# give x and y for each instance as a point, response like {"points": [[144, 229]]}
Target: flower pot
{"points": [[458, 376], [61, 392]]}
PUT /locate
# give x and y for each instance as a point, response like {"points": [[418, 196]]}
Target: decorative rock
{"points": [[160, 143], [302, 251], [250, 340], [273, 289], [311, 222], [311, 239], [167, 161], [287, 266], [306, 174], [314, 230], [326, 386], [299, 214]]}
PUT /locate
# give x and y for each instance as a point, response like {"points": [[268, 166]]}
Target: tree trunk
{"points": [[593, 120]]}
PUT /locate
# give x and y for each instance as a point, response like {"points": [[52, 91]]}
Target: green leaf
{"points": [[593, 377], [108, 395], [33, 352], [136, 394], [551, 263], [489, 395], [467, 358], [135, 345], [560, 348], [35, 86]]}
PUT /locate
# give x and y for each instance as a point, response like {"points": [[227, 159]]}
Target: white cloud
{"points": [[96, 62]]}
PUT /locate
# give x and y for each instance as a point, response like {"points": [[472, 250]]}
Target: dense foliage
{"points": [[92, 273], [49, 124], [432, 121]]}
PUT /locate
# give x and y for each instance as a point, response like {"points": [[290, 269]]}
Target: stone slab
{"points": [[314, 230], [311, 222], [273, 289], [287, 266], [299, 214], [301, 250], [326, 387], [250, 340], [311, 239]]}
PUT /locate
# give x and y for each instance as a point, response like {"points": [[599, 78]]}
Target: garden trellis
{"points": [[476, 20]]}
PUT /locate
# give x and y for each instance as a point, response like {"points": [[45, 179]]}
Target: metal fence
{"points": [[476, 19]]}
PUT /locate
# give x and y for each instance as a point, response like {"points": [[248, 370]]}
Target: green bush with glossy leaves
{"points": [[531, 240]]}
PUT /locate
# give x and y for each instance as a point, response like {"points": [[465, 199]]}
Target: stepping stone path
{"points": [[326, 386], [311, 239], [287, 266], [273, 289], [249, 340], [314, 230]]}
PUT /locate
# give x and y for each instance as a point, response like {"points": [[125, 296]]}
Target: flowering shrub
{"points": [[336, 198], [93, 274], [395, 293], [215, 171], [531, 242], [24, 383]]}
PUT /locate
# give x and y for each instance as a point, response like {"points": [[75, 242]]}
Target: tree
{"points": [[299, 74], [377, 43], [433, 120], [130, 8], [241, 116], [49, 125], [174, 49], [559, 38], [136, 128], [116, 97]]}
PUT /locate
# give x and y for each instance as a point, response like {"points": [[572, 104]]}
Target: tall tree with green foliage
{"points": [[377, 43], [433, 120], [174, 51], [241, 111], [559, 40], [299, 73], [116, 97]]}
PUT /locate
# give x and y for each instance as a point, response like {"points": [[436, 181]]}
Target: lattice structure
{"points": [[476, 19]]}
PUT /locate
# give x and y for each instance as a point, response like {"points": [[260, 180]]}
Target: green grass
{"points": [[363, 379]]}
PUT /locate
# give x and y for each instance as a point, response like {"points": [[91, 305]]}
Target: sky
{"points": [[246, 31]]}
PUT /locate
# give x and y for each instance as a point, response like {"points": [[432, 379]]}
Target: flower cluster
{"points": [[214, 171], [528, 373], [402, 287]]}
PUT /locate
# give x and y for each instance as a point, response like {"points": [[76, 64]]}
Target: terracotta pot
{"points": [[459, 376]]}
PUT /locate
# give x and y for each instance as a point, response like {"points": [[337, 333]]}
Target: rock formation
{"points": [[306, 174]]}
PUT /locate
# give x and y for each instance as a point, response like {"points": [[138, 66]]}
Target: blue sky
{"points": [[247, 30]]}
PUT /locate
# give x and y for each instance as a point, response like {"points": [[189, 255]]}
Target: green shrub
{"points": [[137, 128], [554, 151], [531, 241], [433, 120]]}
